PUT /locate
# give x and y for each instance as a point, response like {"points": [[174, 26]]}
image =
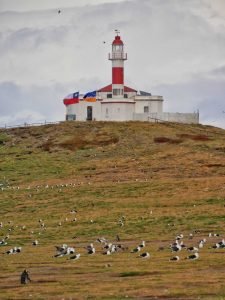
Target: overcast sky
{"points": [[175, 49]]}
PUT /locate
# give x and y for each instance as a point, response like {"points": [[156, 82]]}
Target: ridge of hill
{"points": [[137, 180], [108, 151]]}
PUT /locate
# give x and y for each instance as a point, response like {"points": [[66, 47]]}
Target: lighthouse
{"points": [[117, 56], [119, 102]]}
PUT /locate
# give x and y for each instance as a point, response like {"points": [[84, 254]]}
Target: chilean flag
{"points": [[71, 99]]}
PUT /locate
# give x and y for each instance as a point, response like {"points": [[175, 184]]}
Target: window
{"points": [[109, 95], [117, 92], [70, 117], [146, 109], [118, 47], [125, 96]]}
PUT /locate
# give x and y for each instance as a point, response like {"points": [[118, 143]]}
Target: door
{"points": [[89, 113]]}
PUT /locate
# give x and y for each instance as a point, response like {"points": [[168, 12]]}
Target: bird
{"points": [[216, 246], [10, 251], [176, 248], [193, 256], [35, 243], [59, 11], [191, 249], [108, 252], [108, 246], [175, 258], [61, 248], [3, 242], [102, 240], [137, 249], [91, 251], [201, 244], [70, 250], [142, 245], [144, 255], [180, 236], [17, 249], [75, 257]]}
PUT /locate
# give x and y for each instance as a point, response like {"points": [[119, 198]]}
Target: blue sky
{"points": [[175, 49]]}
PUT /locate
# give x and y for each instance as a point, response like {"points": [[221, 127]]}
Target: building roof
{"points": [[108, 89]]}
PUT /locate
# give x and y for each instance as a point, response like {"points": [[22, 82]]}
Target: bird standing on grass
{"points": [[24, 278], [144, 255], [175, 258], [193, 256], [75, 257]]}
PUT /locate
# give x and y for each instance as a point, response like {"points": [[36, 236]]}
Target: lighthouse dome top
{"points": [[117, 41]]}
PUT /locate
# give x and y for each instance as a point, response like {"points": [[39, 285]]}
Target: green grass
{"points": [[106, 171]]}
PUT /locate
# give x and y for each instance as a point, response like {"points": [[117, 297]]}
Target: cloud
{"points": [[202, 93], [33, 5]]}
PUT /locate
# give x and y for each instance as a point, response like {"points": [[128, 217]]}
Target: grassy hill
{"points": [[140, 181]]}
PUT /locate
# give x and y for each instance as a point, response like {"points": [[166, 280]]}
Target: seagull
{"points": [[175, 258], [102, 240], [3, 242], [137, 249], [144, 255], [176, 248], [108, 246], [191, 249], [179, 237], [193, 256], [108, 252], [142, 245], [70, 250], [75, 257], [201, 244], [61, 248], [59, 11], [91, 251], [216, 246], [17, 249], [35, 243], [10, 251]]}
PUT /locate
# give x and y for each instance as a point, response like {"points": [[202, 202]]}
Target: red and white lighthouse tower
{"points": [[117, 57]]}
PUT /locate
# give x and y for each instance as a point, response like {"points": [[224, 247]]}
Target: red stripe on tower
{"points": [[117, 75]]}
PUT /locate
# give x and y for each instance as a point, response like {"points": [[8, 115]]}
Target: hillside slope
{"points": [[140, 181]]}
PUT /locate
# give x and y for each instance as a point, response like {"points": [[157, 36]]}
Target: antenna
{"points": [[117, 32]]}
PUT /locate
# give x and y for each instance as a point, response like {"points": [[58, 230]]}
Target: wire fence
{"points": [[5, 126]]}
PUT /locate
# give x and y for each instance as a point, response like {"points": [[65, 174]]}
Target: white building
{"points": [[117, 102]]}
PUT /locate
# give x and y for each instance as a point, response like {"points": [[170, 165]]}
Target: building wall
{"points": [[80, 110], [188, 118], [122, 110], [153, 106], [117, 111]]}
